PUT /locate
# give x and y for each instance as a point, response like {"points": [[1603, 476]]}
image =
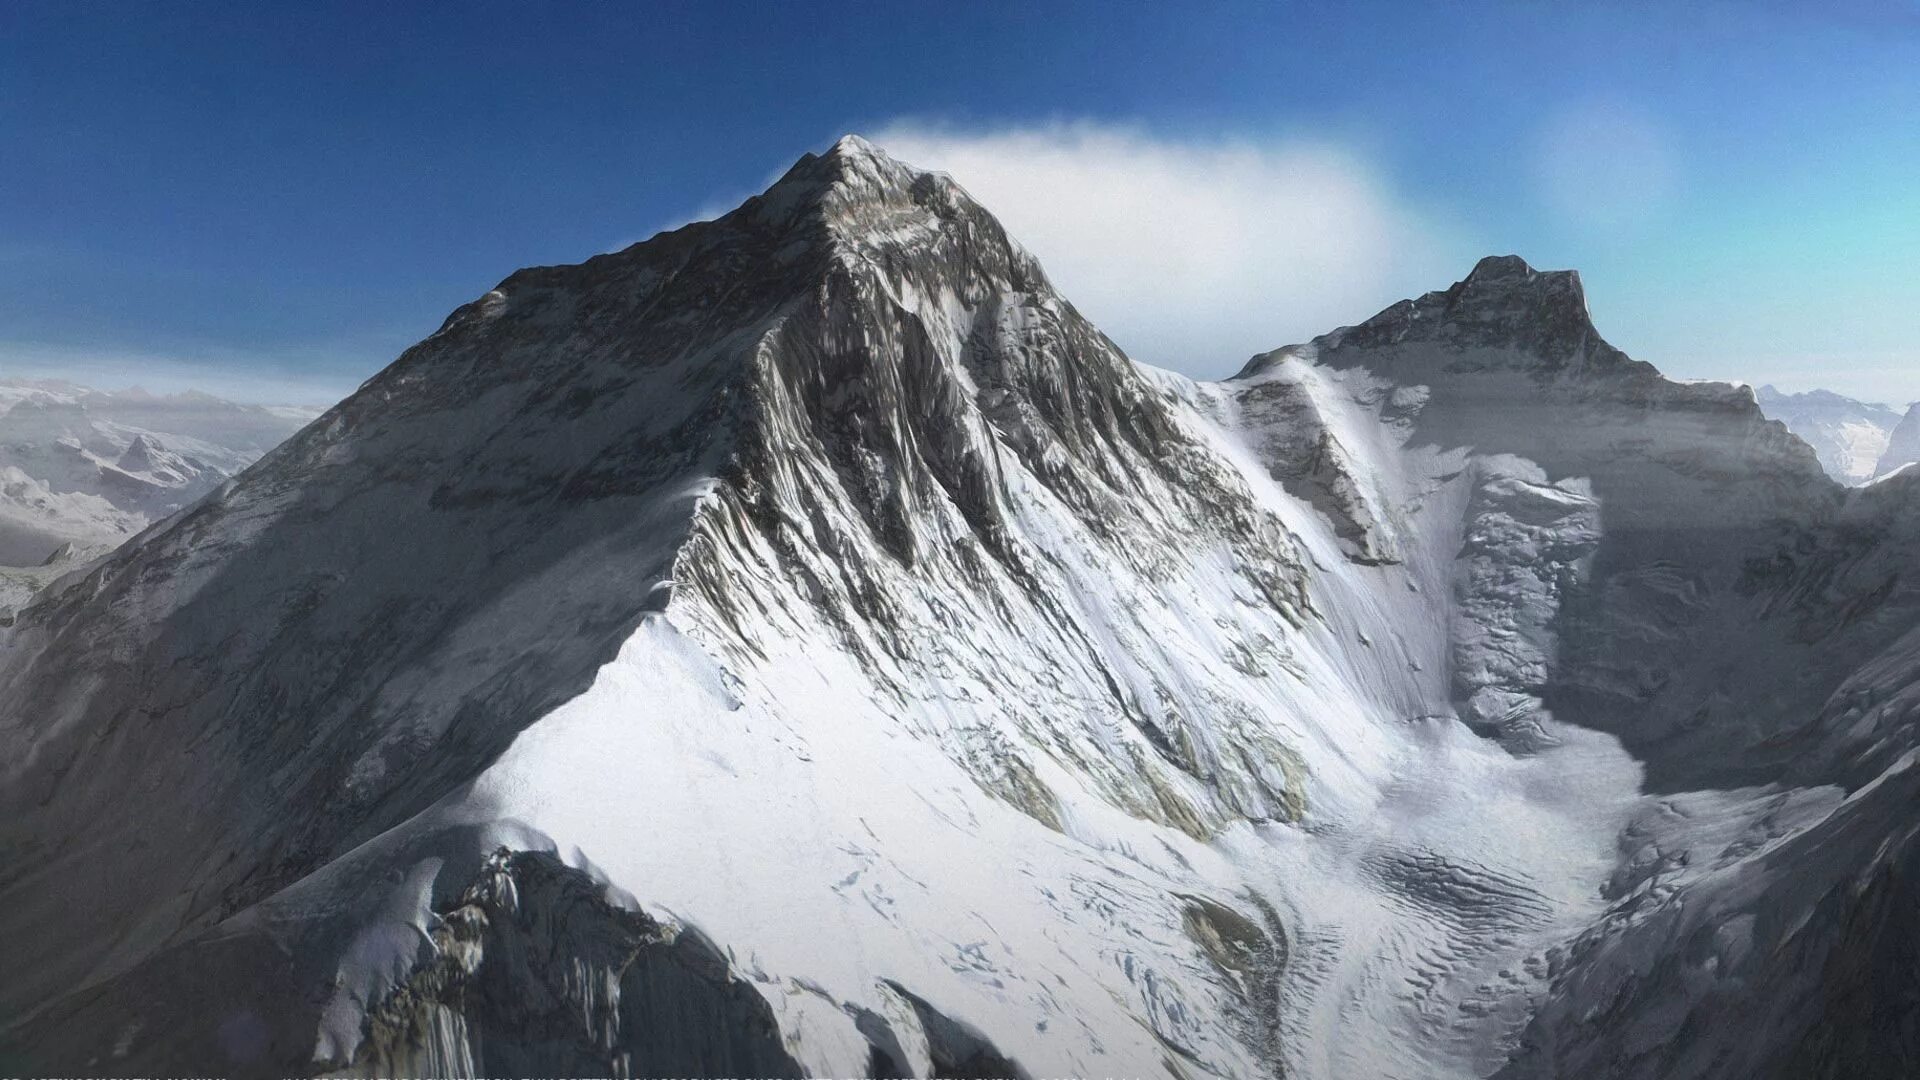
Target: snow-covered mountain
{"points": [[1903, 444], [1850, 436], [800, 644], [81, 469]]}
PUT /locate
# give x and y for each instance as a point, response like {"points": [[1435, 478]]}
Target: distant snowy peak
{"points": [[1903, 444], [96, 466], [190, 414], [1849, 436]]}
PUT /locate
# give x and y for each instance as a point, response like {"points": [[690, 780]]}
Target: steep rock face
{"points": [[924, 431], [1755, 931], [1449, 694], [1303, 434], [1696, 493], [376, 660], [1710, 601], [533, 971], [850, 415], [1656, 561]]}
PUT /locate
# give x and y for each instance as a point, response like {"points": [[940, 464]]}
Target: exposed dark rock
{"points": [[535, 973], [957, 1050]]}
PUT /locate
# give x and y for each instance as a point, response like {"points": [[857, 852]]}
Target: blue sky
{"points": [[273, 200]]}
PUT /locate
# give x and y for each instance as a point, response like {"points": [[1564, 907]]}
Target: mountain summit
{"points": [[1539, 316], [800, 644]]}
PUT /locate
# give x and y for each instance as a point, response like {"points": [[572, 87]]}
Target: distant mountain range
{"points": [[1854, 439], [1903, 444], [81, 470]]}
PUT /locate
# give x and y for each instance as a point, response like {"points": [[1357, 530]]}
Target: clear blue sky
{"points": [[283, 196]]}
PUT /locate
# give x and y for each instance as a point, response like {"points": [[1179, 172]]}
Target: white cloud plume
{"points": [[1196, 254]]}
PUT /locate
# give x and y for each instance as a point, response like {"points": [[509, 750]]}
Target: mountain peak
{"points": [[1503, 303], [853, 159], [827, 534], [1509, 283], [1500, 268], [851, 145], [860, 169], [861, 200], [851, 171]]}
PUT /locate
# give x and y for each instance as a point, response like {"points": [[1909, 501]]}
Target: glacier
{"points": [[800, 644]]}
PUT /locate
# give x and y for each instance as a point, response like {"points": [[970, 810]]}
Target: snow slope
{"points": [[801, 645]]}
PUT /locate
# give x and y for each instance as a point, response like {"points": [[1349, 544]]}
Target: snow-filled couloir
{"points": [[800, 644]]}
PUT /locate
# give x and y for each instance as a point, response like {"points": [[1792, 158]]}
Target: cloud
{"points": [[1195, 254], [1605, 167]]}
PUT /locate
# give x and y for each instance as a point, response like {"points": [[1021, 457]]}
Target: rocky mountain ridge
{"points": [[800, 644]]}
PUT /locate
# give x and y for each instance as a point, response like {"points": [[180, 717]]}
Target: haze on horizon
{"points": [[271, 204]]}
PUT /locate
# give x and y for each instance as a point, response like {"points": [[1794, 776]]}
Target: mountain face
{"points": [[1850, 436], [800, 644], [1903, 444], [81, 470]]}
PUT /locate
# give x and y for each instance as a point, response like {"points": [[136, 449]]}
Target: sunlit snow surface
{"points": [[829, 843], [1451, 695]]}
